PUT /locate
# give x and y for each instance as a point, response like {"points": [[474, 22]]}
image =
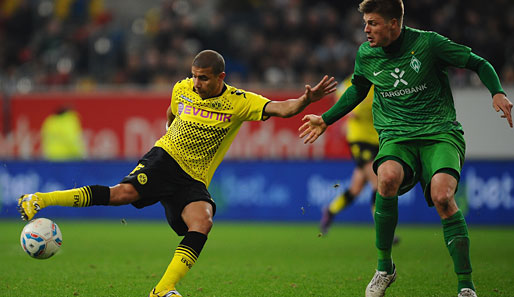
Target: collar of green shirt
{"points": [[395, 45]]}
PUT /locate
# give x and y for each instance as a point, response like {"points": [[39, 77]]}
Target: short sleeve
{"points": [[251, 106], [173, 102]]}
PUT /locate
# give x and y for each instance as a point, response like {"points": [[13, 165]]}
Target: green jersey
{"points": [[412, 91]]}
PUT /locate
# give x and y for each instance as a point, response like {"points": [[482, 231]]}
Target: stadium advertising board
{"points": [[125, 125], [265, 191], [2, 115]]}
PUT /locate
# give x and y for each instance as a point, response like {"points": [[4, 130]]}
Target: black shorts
{"points": [[159, 178], [363, 152]]}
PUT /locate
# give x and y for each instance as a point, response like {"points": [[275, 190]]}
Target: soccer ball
{"points": [[41, 238]]}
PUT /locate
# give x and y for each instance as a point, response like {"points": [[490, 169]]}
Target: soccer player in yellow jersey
{"points": [[363, 140], [202, 120]]}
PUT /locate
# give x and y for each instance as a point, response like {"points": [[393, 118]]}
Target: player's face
{"points": [[206, 83], [379, 31]]}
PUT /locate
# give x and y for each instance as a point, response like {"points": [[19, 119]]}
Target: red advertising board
{"points": [[126, 124]]}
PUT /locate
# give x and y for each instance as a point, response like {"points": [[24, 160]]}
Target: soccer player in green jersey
{"points": [[414, 115], [203, 119]]}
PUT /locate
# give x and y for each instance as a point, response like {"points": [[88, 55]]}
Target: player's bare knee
{"points": [[388, 184], [441, 198], [123, 194], [201, 223], [198, 216]]}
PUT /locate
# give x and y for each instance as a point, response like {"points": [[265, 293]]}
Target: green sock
{"points": [[456, 238], [386, 218]]}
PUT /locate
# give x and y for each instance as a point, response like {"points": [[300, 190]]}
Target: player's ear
{"points": [[222, 75], [394, 23]]}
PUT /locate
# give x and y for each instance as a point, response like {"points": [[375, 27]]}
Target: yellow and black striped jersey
{"points": [[360, 123], [203, 129]]}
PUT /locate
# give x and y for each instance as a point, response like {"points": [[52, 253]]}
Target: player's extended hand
{"points": [[500, 102], [313, 127], [324, 87]]}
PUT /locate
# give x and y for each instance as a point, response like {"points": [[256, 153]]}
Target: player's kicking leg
{"points": [[30, 204]]}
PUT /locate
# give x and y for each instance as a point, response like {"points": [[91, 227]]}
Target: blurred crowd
{"points": [[90, 44]]}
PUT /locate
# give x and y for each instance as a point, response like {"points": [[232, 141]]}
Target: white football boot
{"points": [[379, 283], [467, 292]]}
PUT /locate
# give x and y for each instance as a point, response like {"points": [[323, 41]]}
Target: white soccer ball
{"points": [[41, 238]]}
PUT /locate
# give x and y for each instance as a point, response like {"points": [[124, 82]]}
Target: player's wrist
{"points": [[323, 123], [500, 93], [325, 118], [305, 100]]}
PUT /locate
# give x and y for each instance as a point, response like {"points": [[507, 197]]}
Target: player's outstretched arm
{"points": [[490, 79], [500, 102], [313, 127], [291, 107]]}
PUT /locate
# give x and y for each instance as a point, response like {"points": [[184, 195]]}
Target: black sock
{"points": [[100, 195]]}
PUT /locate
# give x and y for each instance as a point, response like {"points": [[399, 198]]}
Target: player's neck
{"points": [[395, 45], [218, 93]]}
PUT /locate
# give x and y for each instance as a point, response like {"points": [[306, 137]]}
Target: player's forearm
{"points": [[348, 101], [297, 105], [486, 73], [286, 108]]}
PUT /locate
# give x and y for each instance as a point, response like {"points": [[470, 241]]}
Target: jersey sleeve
{"points": [[357, 69], [251, 106], [173, 102], [358, 78], [354, 94], [451, 53], [486, 73]]}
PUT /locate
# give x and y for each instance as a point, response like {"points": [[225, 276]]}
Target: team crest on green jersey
{"points": [[415, 64]]}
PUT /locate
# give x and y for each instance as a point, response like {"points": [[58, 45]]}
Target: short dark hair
{"points": [[389, 9], [210, 58]]}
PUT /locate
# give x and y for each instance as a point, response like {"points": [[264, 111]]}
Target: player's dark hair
{"points": [[388, 9], [210, 58]]}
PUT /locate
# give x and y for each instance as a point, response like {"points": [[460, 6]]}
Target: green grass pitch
{"points": [[111, 258]]}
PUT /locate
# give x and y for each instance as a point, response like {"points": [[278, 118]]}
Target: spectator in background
{"points": [[301, 40], [61, 136]]}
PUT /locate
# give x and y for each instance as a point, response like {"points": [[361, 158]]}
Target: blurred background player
{"points": [[61, 136], [363, 141]]}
